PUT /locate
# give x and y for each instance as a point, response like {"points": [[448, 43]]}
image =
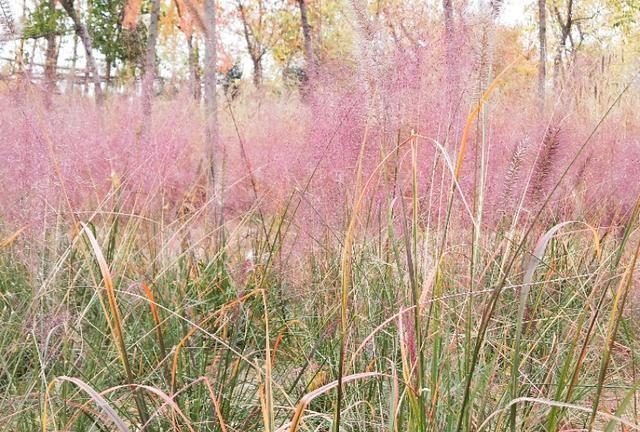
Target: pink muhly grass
{"points": [[289, 139]]}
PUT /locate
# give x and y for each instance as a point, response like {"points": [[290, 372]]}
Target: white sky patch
{"points": [[514, 12]]}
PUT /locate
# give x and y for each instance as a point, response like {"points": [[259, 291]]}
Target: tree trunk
{"points": [[565, 34], [107, 73], [542, 61], [257, 71], [150, 60], [306, 33], [254, 47], [214, 153], [82, 32], [194, 68], [51, 60], [20, 51], [71, 77]]}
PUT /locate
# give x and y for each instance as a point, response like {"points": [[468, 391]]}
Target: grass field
{"points": [[377, 252], [422, 310]]}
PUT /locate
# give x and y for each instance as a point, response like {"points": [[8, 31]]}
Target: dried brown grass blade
{"points": [[94, 395], [115, 320], [9, 240], [306, 399], [474, 113]]}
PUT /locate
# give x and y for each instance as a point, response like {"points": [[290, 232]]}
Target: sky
{"points": [[513, 12]]}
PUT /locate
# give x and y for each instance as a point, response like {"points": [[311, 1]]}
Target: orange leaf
{"points": [[131, 14]]}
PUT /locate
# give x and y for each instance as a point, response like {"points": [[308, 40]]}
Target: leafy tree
{"points": [[261, 30], [82, 32], [186, 16], [309, 33], [288, 47], [306, 33], [48, 22], [625, 15], [44, 20], [109, 36]]}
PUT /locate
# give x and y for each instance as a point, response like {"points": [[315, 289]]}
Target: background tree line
{"points": [[114, 43]]}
